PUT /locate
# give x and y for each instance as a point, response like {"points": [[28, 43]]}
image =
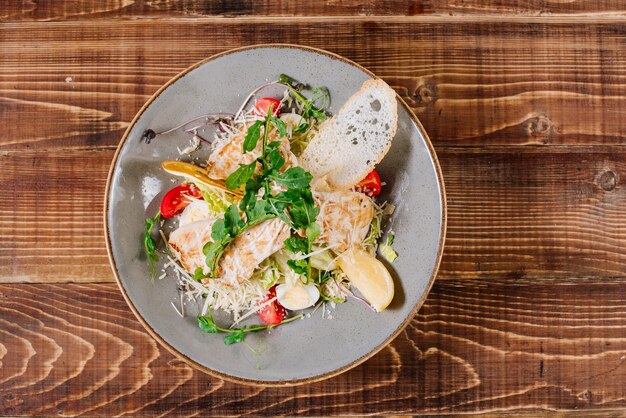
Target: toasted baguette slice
{"points": [[350, 144]]}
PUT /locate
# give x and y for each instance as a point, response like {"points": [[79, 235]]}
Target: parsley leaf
{"points": [[313, 231], [297, 245], [218, 231], [213, 251]]}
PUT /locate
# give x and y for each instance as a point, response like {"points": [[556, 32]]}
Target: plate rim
{"points": [[286, 382]]}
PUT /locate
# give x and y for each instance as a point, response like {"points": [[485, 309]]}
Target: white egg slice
{"points": [[198, 210], [297, 296]]}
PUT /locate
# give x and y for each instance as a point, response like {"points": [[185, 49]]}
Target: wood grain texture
{"points": [[524, 103], [511, 213], [483, 345], [51, 216], [471, 84], [106, 9]]}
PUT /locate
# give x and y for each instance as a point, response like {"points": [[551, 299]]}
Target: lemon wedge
{"points": [[180, 168], [369, 276]]}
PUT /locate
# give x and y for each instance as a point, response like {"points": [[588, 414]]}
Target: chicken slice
{"points": [[187, 242], [250, 248], [344, 218], [228, 155]]}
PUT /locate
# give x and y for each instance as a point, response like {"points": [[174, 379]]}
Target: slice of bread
{"points": [[350, 144]]}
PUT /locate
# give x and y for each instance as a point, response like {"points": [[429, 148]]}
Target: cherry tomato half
{"points": [[370, 185], [262, 105], [174, 201], [274, 313]]}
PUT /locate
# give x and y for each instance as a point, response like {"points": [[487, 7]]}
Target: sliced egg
{"points": [[296, 296], [198, 210]]}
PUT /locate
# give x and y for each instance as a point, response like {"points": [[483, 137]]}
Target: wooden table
{"points": [[525, 105]]}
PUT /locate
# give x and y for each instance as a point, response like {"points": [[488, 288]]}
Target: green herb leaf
{"points": [[285, 79], [275, 160], [198, 274], [295, 206], [293, 178], [234, 337], [240, 176], [207, 324], [313, 231], [280, 126], [314, 113], [297, 245], [299, 266], [272, 146], [218, 230], [323, 277], [213, 251], [303, 212], [252, 136], [301, 128], [252, 189], [149, 244], [320, 94], [259, 213], [232, 221]]}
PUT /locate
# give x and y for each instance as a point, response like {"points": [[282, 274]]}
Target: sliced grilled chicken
{"points": [[228, 156], [187, 242], [240, 258], [249, 249], [344, 218]]}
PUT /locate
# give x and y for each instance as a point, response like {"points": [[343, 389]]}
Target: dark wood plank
{"points": [[471, 83], [89, 9], [477, 346], [554, 212]]}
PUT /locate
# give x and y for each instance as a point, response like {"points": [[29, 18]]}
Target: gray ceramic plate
{"points": [[308, 349]]}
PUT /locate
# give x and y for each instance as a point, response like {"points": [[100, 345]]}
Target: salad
{"points": [[284, 214]]}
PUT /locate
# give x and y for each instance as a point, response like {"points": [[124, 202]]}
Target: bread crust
{"points": [[383, 89]]}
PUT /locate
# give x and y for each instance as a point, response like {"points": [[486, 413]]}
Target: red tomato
{"points": [[262, 105], [174, 201], [370, 185], [274, 313]]}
